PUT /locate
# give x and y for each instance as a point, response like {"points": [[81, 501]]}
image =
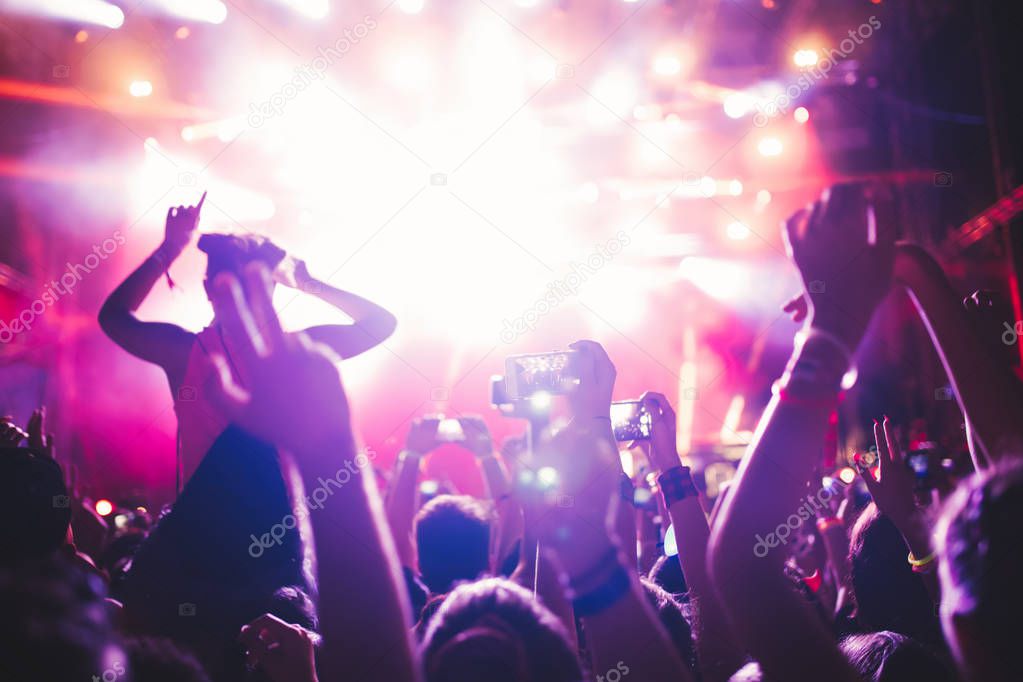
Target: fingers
{"points": [[658, 405], [798, 307], [792, 231], [198, 207], [883, 456], [894, 451], [36, 427]]}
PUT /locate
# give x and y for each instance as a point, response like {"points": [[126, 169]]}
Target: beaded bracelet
{"points": [[676, 484]]}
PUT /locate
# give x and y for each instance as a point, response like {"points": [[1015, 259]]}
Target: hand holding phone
{"points": [[663, 447], [422, 436], [556, 372], [630, 421]]}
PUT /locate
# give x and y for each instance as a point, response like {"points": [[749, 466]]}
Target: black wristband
{"points": [[676, 484], [605, 596]]}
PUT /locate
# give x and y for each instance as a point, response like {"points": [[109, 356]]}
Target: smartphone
{"points": [[630, 421], [450, 431], [498, 391], [556, 372]]}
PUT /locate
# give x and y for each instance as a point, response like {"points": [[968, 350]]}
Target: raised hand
{"points": [[844, 247], [292, 272], [294, 398], [284, 652], [11, 434], [422, 436], [892, 490], [477, 435], [592, 398], [663, 450], [37, 436], [182, 222]]}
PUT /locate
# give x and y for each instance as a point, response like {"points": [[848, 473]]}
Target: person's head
{"points": [[35, 509], [674, 618], [452, 541], [890, 657], [55, 624], [495, 630], [232, 252], [155, 659], [889, 595], [667, 574], [980, 561]]}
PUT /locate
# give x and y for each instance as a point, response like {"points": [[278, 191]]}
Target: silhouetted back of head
{"points": [[891, 657], [675, 619], [889, 595], [452, 541], [494, 630], [666, 573], [232, 252], [34, 506], [980, 564]]}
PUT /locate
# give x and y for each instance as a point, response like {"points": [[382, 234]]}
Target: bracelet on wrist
{"points": [[924, 565], [676, 484], [605, 595]]}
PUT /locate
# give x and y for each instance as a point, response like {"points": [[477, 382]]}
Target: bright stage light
{"points": [[314, 9], [95, 12], [770, 146], [801, 114], [104, 507], [182, 32], [847, 474], [737, 104], [411, 6], [737, 231], [617, 91], [541, 401], [805, 58], [735, 188], [81, 36], [140, 88], [667, 65], [410, 72]]}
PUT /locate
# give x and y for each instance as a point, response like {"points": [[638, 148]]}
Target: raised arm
{"points": [[164, 344], [403, 495], [371, 324], [985, 390], [772, 621], [717, 651], [295, 400]]}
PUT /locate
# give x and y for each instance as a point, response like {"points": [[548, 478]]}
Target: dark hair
{"points": [[35, 508], [667, 574], [980, 558], [889, 595], [675, 617], [891, 657], [452, 541], [55, 625], [231, 252], [154, 659], [495, 630]]}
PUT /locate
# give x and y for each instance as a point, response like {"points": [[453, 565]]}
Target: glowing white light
{"points": [[411, 6], [737, 231], [589, 193], [547, 477], [410, 72], [140, 88], [735, 188], [540, 401], [80, 11], [667, 65], [708, 186], [805, 58], [670, 545], [617, 91], [801, 114], [769, 146], [104, 507], [737, 104], [762, 200], [527, 3]]}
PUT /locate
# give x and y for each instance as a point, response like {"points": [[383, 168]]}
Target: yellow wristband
{"points": [[919, 563]]}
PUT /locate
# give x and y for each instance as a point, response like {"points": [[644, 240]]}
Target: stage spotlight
{"points": [[540, 401], [805, 58], [735, 188], [847, 475], [411, 6], [81, 36], [104, 507], [801, 114], [140, 89], [737, 105], [182, 32], [769, 146], [667, 65], [737, 231], [208, 11], [95, 12]]}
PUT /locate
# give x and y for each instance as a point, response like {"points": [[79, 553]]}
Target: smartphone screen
{"points": [[630, 421], [526, 375]]}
